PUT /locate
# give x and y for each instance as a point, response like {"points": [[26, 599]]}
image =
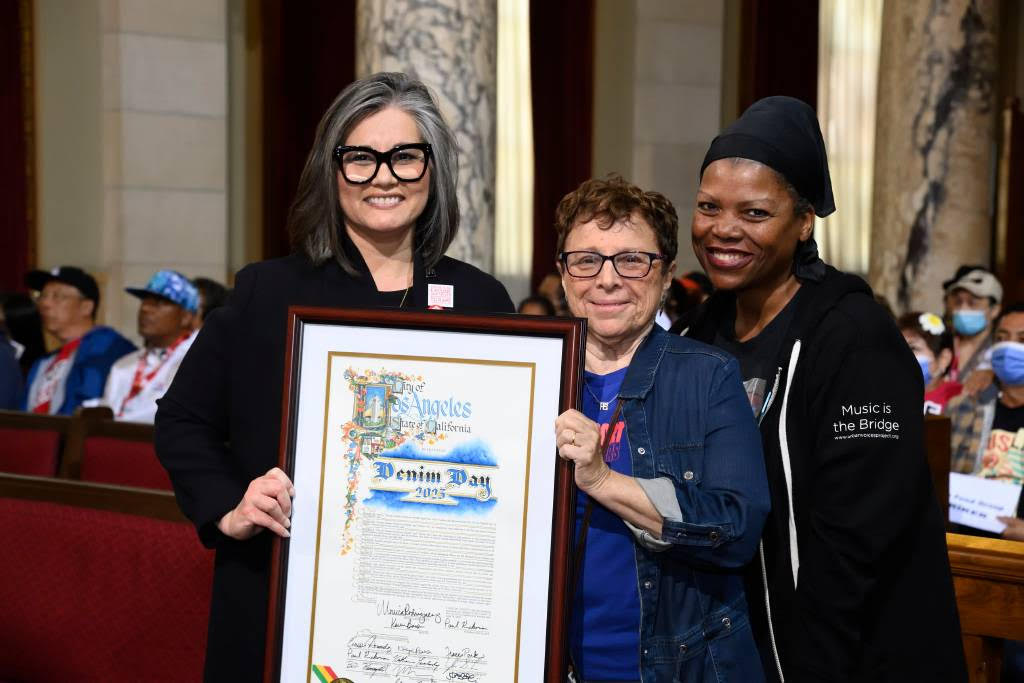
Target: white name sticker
{"points": [[441, 295]]}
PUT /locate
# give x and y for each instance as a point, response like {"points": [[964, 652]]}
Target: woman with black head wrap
{"points": [[853, 580]]}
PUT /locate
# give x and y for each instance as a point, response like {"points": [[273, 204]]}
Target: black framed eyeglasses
{"points": [[360, 165], [628, 264]]}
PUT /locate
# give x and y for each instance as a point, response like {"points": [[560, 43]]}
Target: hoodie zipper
{"points": [[787, 470], [760, 546]]}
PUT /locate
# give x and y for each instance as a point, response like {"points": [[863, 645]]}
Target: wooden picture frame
{"points": [[432, 518]]}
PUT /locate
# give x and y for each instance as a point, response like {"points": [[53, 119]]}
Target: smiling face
{"points": [[617, 309], [744, 227], [383, 208]]}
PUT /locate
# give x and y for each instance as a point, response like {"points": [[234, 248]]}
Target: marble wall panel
{"points": [[451, 46], [934, 146]]}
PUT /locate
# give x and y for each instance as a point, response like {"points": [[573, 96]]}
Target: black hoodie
{"points": [[865, 594]]}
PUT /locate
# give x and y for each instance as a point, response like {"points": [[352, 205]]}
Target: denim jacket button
{"points": [[714, 536], [641, 450], [682, 648], [688, 475], [726, 622], [648, 585]]}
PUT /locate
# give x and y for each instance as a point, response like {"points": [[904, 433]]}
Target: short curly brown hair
{"points": [[612, 199]]}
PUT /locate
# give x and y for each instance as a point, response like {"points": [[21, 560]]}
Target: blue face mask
{"points": [[969, 322], [926, 367], [1008, 363]]}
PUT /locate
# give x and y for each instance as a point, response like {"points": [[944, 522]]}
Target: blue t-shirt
{"points": [[605, 633]]}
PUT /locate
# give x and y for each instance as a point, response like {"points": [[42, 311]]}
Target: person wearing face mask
{"points": [[988, 430], [972, 302], [932, 344]]}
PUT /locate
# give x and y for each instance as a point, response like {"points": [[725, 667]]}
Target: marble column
{"points": [[451, 45], [934, 146]]}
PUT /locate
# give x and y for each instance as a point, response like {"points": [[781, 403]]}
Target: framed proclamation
{"points": [[432, 517]]}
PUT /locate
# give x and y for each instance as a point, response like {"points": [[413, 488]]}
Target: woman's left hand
{"points": [[579, 439]]}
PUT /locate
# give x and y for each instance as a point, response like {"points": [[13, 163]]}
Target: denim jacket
{"points": [[696, 451]]}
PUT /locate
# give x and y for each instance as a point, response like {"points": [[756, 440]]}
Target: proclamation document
{"points": [[411, 559]]}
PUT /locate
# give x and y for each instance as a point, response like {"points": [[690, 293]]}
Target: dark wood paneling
{"points": [[308, 58], [1009, 238], [562, 72], [17, 155]]}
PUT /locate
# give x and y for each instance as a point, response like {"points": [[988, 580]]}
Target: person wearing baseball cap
{"points": [[973, 299], [168, 309], [76, 372]]}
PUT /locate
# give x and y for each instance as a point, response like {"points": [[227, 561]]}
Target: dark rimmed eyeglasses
{"points": [[360, 165], [628, 264]]}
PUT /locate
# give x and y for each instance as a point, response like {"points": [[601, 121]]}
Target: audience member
{"points": [[169, 306], [932, 344], [10, 373], [684, 296], [77, 371], [947, 297], [212, 295], [703, 282], [551, 287], [986, 429], [24, 328], [972, 302], [536, 305]]}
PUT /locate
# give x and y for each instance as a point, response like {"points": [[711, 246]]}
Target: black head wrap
{"points": [[783, 134]]}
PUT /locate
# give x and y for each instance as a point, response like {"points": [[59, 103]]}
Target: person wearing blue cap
{"points": [[167, 312], [61, 381]]}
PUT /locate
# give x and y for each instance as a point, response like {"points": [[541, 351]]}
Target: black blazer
{"points": [[218, 426]]}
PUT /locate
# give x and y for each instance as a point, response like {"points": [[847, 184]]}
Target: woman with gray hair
{"points": [[374, 213]]}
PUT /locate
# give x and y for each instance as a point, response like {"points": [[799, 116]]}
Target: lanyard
{"points": [[141, 378], [581, 542], [51, 375]]}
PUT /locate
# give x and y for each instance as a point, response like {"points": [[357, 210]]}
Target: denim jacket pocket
{"points": [[721, 651], [683, 463]]}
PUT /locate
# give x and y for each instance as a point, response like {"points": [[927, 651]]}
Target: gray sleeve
{"points": [[662, 494]]}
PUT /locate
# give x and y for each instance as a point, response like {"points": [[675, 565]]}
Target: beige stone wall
{"points": [[132, 102], [69, 152], [663, 60], [934, 147]]}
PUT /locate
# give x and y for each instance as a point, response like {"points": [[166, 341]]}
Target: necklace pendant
{"points": [[604, 405]]}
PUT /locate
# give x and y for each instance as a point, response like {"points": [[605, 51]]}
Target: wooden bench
{"points": [[32, 444], [988, 575], [99, 582], [89, 446], [102, 450]]}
